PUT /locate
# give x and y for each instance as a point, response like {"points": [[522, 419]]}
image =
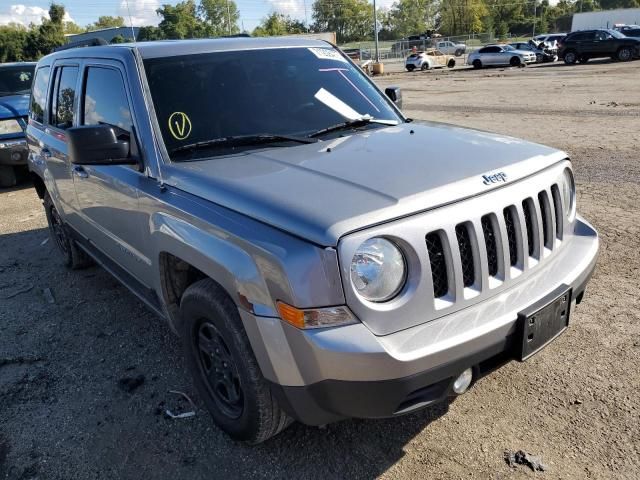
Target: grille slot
{"points": [[547, 228], [466, 254], [529, 213], [438, 264], [557, 206], [490, 242], [512, 236]]}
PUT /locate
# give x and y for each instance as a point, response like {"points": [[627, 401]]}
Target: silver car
{"points": [[494, 55], [320, 255]]}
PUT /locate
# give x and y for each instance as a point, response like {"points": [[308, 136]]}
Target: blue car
{"points": [[15, 87]]}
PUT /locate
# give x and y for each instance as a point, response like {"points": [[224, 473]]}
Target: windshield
{"points": [[16, 80], [280, 91], [616, 34]]}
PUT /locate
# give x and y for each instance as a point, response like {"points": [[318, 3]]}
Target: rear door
{"points": [[61, 115], [108, 194], [35, 127]]}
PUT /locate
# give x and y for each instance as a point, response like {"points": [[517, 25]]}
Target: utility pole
{"points": [[228, 18], [534, 18], [375, 29]]}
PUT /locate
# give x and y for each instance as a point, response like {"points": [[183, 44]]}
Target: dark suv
{"points": [[586, 44]]}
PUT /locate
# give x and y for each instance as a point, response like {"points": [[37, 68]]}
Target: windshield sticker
{"points": [[179, 125], [327, 54], [337, 105]]}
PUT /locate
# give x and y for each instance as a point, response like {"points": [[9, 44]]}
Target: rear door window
{"points": [[63, 99], [39, 95]]}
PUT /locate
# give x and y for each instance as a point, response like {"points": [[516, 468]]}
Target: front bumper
{"points": [[13, 152], [324, 375]]}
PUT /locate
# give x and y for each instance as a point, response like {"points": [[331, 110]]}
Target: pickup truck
{"points": [[15, 84], [320, 255]]}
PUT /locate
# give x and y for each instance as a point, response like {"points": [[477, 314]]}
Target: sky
{"points": [[84, 12]]}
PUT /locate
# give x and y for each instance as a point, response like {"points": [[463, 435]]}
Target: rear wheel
{"points": [[515, 61], [458, 53], [72, 256], [477, 64], [625, 54], [425, 66], [410, 68], [8, 176], [570, 57], [224, 368], [451, 63]]}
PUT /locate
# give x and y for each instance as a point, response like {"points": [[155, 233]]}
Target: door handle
{"points": [[80, 172], [46, 153]]}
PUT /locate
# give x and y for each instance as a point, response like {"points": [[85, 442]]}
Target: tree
{"points": [[13, 38], [73, 28], [220, 17], [411, 17], [149, 34], [278, 24], [350, 19], [42, 40], [462, 16], [181, 21], [106, 21]]}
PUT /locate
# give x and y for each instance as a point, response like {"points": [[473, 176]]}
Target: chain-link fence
{"points": [[398, 49]]}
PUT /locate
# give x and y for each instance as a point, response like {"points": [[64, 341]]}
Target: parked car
{"points": [[451, 48], [543, 55], [320, 255], [629, 30], [550, 39], [584, 45], [432, 58], [493, 55], [15, 84]]}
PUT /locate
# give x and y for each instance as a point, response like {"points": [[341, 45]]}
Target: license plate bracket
{"points": [[543, 322]]}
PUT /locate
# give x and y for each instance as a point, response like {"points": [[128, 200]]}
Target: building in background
{"points": [[605, 19], [106, 34]]}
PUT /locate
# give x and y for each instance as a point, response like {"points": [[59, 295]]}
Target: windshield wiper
{"points": [[243, 140], [350, 124]]}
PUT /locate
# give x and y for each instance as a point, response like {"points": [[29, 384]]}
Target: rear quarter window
{"points": [[39, 94]]}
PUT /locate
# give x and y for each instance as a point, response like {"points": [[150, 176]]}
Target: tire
{"points": [[72, 256], [515, 62], [570, 57], [583, 59], [8, 176], [625, 54], [451, 63], [410, 68], [425, 66], [477, 64], [236, 394], [458, 52]]}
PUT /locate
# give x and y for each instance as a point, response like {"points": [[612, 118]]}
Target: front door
{"points": [[108, 194]]}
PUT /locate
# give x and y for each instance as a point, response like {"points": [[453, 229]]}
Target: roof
{"points": [[17, 64], [170, 48]]}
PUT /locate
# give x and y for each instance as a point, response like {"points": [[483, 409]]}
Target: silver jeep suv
{"points": [[320, 255]]}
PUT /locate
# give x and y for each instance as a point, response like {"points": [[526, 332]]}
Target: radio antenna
{"points": [[133, 32]]}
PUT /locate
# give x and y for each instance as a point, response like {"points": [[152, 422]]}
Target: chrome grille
{"points": [[517, 240]]}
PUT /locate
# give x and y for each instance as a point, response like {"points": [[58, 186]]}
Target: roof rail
{"points": [[91, 42]]}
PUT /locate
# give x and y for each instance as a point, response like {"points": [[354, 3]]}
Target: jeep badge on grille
{"points": [[495, 178]]}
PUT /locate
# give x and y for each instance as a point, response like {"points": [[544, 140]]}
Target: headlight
{"points": [[378, 270], [10, 126], [568, 195]]}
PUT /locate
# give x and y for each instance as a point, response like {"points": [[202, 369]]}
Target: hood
{"points": [[325, 190], [12, 106]]}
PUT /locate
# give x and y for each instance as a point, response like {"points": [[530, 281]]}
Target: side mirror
{"points": [[395, 95], [97, 145]]}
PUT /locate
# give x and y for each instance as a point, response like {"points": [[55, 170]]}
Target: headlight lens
{"points": [[569, 195], [378, 270], [10, 126]]}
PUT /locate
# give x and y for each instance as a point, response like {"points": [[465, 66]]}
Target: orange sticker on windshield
{"points": [[179, 125]]}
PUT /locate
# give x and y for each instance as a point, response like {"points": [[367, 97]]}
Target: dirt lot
{"points": [[64, 414]]}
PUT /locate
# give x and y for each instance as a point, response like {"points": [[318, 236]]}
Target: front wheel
{"points": [[224, 368], [625, 54], [425, 66], [515, 61], [451, 63], [477, 64], [410, 68]]}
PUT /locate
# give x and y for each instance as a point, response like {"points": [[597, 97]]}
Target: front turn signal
{"points": [[315, 317]]}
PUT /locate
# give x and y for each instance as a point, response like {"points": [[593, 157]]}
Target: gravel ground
{"points": [[66, 413]]}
